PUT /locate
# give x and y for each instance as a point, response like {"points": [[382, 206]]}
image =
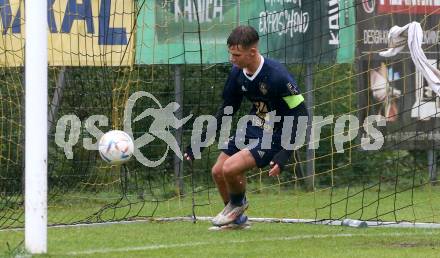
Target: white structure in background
{"points": [[427, 103], [380, 79], [411, 35]]}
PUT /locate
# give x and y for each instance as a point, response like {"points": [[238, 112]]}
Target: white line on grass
{"points": [[193, 244], [390, 224]]}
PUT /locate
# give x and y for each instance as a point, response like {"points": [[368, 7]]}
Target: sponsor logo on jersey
{"points": [[263, 88], [292, 88]]}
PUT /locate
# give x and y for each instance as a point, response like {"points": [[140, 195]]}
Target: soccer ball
{"points": [[116, 147]]}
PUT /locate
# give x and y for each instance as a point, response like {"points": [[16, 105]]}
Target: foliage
{"points": [[89, 91]]}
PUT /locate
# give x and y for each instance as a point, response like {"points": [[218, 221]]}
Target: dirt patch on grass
{"points": [[433, 245]]}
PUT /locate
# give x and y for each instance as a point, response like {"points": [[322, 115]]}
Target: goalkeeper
{"points": [[270, 87]]}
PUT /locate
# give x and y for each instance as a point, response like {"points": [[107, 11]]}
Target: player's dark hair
{"points": [[245, 36]]}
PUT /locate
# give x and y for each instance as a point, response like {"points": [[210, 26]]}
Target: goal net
{"points": [[370, 149]]}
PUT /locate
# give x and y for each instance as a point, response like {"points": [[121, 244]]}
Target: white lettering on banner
{"points": [[272, 2], [415, 2], [372, 37], [333, 21], [411, 6], [288, 21], [207, 10], [369, 6], [375, 37], [431, 37]]}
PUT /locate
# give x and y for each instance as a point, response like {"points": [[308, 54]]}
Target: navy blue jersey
{"points": [[271, 88], [267, 89]]}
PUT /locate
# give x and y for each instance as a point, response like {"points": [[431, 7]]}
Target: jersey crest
{"points": [[263, 88]]}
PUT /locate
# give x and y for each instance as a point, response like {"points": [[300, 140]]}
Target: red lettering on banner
{"points": [[409, 6]]}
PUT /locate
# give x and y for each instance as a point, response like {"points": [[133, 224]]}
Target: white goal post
{"points": [[36, 126]]}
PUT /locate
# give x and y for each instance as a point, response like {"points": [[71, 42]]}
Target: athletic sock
{"points": [[237, 199]]}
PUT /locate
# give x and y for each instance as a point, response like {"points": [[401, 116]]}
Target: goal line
{"points": [[385, 224]]}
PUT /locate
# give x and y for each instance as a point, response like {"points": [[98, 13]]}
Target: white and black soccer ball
{"points": [[116, 147]]}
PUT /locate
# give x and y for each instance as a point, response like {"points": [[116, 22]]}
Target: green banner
{"points": [[284, 28], [298, 31], [347, 32], [168, 32], [291, 31]]}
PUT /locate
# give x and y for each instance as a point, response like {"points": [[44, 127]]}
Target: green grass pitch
{"points": [[186, 239]]}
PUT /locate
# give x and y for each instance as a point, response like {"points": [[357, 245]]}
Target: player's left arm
{"points": [[289, 92]]}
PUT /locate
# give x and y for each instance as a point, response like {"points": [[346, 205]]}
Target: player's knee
{"points": [[217, 172], [228, 169]]}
